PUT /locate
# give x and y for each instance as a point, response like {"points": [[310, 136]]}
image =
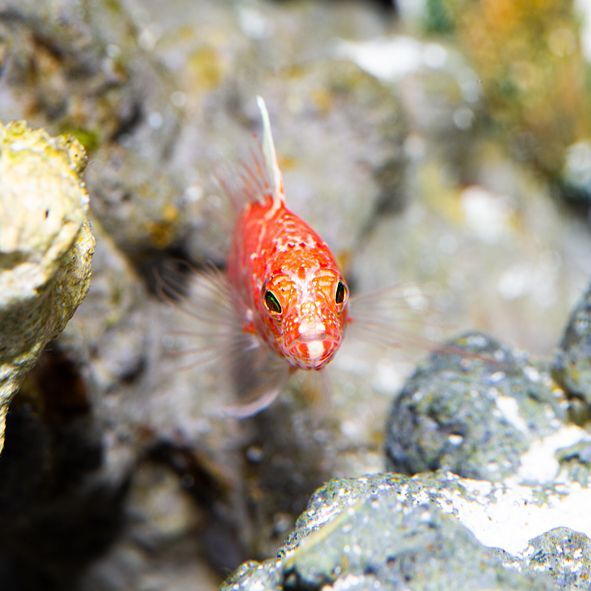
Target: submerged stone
{"points": [[563, 554], [573, 362], [575, 461], [45, 247], [81, 70], [474, 407], [388, 531]]}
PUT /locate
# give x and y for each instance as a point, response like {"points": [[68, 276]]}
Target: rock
{"points": [[82, 71], [389, 531], [563, 554], [495, 255], [572, 366], [45, 246], [109, 333], [576, 172], [158, 548], [526, 60], [575, 462], [439, 91], [475, 415]]}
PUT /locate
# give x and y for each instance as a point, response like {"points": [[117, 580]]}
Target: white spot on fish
{"points": [[315, 349], [311, 328]]}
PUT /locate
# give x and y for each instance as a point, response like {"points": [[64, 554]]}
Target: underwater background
{"points": [[440, 145]]}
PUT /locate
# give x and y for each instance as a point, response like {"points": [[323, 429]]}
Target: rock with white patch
{"points": [[564, 554], [481, 410], [395, 532]]}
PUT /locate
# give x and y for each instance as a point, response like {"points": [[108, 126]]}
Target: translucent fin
{"points": [[398, 316], [273, 172], [260, 377], [209, 327], [251, 408], [408, 317], [209, 331], [257, 177]]}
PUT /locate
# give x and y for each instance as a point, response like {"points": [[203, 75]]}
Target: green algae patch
{"points": [[46, 246]]}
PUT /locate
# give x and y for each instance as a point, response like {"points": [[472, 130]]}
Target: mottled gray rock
{"points": [[427, 532], [412, 551], [475, 414], [439, 90], [109, 333], [45, 247], [575, 462], [573, 361], [563, 554], [77, 67], [495, 254]]}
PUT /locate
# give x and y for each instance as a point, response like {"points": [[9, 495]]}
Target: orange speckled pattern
{"points": [[273, 250]]}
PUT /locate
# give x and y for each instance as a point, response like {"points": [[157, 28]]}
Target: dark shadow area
{"points": [[57, 513]]}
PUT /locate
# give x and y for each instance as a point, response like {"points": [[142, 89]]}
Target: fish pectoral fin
{"points": [[258, 379], [254, 406], [205, 326]]}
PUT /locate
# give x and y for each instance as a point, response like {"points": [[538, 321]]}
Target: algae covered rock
{"points": [[563, 553], [573, 361], [475, 408], [528, 56], [45, 247], [77, 68], [389, 531]]}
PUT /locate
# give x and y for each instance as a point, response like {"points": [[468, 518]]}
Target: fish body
{"points": [[287, 284], [283, 298]]}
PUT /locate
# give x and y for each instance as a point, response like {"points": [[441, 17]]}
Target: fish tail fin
{"points": [[270, 156]]}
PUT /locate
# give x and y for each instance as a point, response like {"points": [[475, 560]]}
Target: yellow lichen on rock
{"points": [[532, 68], [46, 246]]}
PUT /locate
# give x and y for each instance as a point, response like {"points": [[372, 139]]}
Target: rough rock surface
{"points": [[45, 247], [573, 360], [428, 532], [80, 70], [475, 408], [399, 169]]}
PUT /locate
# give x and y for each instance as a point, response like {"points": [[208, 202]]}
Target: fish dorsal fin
{"points": [[270, 156], [257, 176]]}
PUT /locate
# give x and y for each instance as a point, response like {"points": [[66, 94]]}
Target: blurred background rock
{"points": [[442, 142]]}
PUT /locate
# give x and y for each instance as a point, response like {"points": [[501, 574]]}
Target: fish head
{"points": [[306, 311]]}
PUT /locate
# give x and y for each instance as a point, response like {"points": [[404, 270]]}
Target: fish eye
{"points": [[272, 303], [340, 293]]}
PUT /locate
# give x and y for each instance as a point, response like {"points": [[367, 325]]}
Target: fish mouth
{"points": [[307, 338], [311, 352]]}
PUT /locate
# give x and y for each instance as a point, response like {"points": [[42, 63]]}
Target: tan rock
{"points": [[45, 247]]}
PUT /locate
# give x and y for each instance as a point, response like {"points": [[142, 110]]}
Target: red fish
{"points": [[283, 293], [286, 282]]}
